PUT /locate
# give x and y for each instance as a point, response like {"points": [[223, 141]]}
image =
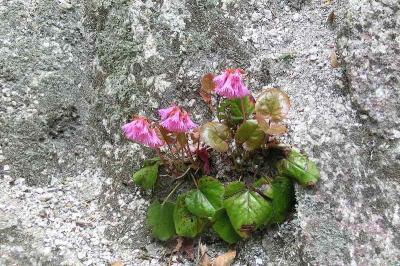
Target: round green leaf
{"points": [[215, 135], [186, 223], [198, 204], [263, 181], [213, 190], [250, 134], [147, 176], [247, 211], [300, 168], [233, 188], [207, 199], [160, 219], [152, 161], [283, 198], [223, 227], [274, 104], [233, 109]]}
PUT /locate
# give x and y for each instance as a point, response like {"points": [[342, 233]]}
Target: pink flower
{"points": [[164, 113], [230, 84], [175, 120], [139, 130]]}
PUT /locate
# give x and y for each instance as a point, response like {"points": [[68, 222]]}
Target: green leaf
{"points": [[261, 182], [283, 198], [233, 188], [250, 134], [223, 227], [147, 176], [160, 219], [300, 168], [207, 199], [181, 138], [215, 135], [231, 110], [213, 190], [186, 223], [274, 104], [198, 204], [152, 161], [247, 211], [236, 108]]}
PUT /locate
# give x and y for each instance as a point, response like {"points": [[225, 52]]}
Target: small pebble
{"points": [[191, 103], [268, 14], [313, 57], [81, 255], [296, 17]]}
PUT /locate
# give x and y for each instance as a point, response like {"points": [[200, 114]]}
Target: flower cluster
{"points": [[243, 125], [173, 119], [176, 120], [230, 84], [139, 130]]}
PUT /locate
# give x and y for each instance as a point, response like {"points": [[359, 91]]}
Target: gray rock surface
{"points": [[71, 72]]}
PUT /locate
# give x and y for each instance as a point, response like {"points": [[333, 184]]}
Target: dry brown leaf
{"points": [[165, 135], [195, 135], [334, 60], [204, 259], [179, 242], [117, 263], [225, 259], [184, 245], [188, 248], [327, 2], [331, 18]]}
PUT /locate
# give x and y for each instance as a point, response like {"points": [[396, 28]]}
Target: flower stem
{"points": [[194, 180], [161, 156], [243, 109], [190, 153], [182, 175], [172, 191]]}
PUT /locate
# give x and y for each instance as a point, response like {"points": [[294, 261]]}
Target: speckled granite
{"points": [[71, 72]]}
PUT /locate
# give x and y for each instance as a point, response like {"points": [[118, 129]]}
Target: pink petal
{"points": [[164, 113], [233, 87], [221, 79], [152, 140]]}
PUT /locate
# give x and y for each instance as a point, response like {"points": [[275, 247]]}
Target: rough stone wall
{"points": [[71, 72]]}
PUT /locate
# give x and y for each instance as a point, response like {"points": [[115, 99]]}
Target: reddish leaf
{"points": [[274, 104], [206, 97], [262, 122], [207, 86], [207, 83], [203, 156], [215, 135], [276, 129]]}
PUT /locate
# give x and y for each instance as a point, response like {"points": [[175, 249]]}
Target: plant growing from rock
{"points": [[243, 136]]}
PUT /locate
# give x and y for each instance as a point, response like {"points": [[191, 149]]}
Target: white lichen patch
{"points": [[150, 47]]}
